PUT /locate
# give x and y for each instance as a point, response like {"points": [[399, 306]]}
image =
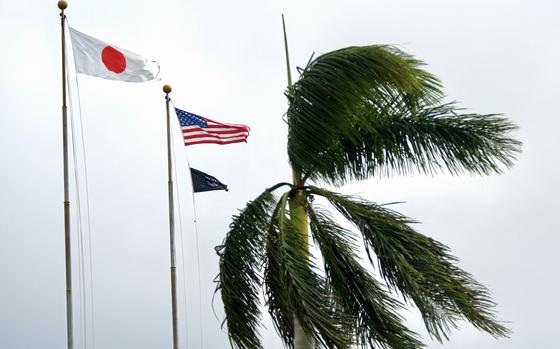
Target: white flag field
{"points": [[97, 58]]}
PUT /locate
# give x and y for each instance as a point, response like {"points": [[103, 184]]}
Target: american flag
{"points": [[198, 130]]}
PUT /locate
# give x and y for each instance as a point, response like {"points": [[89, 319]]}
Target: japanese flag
{"points": [[97, 58]]}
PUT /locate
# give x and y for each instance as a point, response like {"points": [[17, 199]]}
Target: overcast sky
{"points": [[225, 60]]}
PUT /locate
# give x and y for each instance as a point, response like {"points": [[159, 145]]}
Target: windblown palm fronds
{"points": [[356, 113], [366, 111]]}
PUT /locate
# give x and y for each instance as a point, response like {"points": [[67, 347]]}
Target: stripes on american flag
{"points": [[198, 130]]}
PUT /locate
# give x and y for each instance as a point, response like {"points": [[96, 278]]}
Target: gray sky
{"points": [[225, 60]]}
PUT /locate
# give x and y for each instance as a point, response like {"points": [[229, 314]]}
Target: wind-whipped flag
{"points": [[97, 58], [204, 182], [199, 130]]}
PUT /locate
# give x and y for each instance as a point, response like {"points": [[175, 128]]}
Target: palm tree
{"points": [[357, 113]]}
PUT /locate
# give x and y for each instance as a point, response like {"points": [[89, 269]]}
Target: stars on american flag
{"points": [[190, 119]]}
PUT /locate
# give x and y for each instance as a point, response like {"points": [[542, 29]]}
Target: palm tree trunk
{"points": [[298, 214], [301, 341]]}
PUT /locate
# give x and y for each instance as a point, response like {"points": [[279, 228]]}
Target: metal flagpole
{"points": [[167, 90], [62, 5]]}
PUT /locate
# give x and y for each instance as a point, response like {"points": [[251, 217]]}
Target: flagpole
{"points": [[62, 5], [167, 90]]}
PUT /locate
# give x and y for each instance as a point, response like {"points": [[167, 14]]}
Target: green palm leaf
{"points": [[419, 267], [241, 260], [363, 111], [374, 313]]}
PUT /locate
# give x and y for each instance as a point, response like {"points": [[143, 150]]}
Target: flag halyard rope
{"points": [[82, 317], [198, 267]]}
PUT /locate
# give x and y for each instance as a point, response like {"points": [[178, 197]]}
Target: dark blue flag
{"points": [[204, 182]]}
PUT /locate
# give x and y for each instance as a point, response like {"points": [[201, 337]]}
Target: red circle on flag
{"points": [[113, 59]]}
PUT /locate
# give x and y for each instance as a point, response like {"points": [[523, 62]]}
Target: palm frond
{"points": [[277, 299], [420, 268], [364, 111], [241, 260], [374, 313], [431, 140], [296, 290]]}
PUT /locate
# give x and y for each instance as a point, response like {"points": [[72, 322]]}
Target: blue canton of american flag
{"points": [[198, 130]]}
